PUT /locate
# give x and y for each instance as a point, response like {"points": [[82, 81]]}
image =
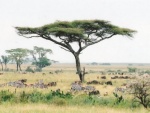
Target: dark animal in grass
{"points": [[52, 84], [109, 83], [95, 92], [23, 80], [93, 82], [103, 77]]}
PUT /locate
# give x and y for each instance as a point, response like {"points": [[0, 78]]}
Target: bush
{"points": [[140, 89], [132, 69], [59, 98], [38, 69], [36, 97], [5, 96], [29, 69]]}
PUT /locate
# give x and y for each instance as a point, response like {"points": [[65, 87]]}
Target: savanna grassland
{"points": [[47, 100]]}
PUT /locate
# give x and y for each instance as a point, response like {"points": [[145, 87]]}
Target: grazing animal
{"points": [[95, 92], [106, 94], [43, 73], [1, 73], [50, 72], [93, 82], [24, 72], [59, 71], [78, 82], [103, 77], [115, 77], [120, 90], [76, 87], [23, 80], [89, 88], [109, 83], [52, 84]]}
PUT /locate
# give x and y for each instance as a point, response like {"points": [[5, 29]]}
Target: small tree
{"points": [[84, 33], [132, 69], [18, 55], [43, 62], [5, 60], [140, 89], [39, 57]]}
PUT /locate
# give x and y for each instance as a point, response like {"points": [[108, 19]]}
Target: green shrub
{"points": [[119, 99], [29, 69], [60, 98], [61, 94], [6, 96], [38, 69], [35, 97]]}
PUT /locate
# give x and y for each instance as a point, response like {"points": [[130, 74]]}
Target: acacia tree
{"points": [[18, 56], [140, 89], [39, 56], [82, 32], [5, 60]]}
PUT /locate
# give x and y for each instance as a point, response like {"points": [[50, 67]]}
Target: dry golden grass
{"points": [[64, 81], [45, 108]]}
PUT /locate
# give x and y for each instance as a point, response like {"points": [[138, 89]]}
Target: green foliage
{"points": [[147, 71], [59, 94], [39, 57], [119, 99], [40, 51], [77, 29], [42, 62], [132, 69], [37, 69], [5, 96], [35, 97], [5, 60], [82, 32], [29, 69], [18, 55], [60, 98]]}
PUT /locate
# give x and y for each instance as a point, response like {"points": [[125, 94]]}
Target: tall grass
{"points": [[46, 108], [61, 98]]}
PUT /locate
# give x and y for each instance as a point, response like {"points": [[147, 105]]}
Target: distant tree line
{"points": [[20, 56]]}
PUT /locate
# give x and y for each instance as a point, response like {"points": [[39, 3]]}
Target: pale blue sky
{"points": [[132, 14]]}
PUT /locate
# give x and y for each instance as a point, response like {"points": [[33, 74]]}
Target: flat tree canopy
{"points": [[82, 32]]}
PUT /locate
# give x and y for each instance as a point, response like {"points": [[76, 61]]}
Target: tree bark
{"points": [[20, 67], [17, 66], [78, 67], [5, 66]]}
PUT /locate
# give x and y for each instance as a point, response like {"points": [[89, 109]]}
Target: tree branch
{"points": [[64, 49], [27, 36], [88, 44], [56, 42]]}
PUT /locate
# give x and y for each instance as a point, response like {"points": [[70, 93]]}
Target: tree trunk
{"points": [[20, 67], [78, 67], [17, 65], [5, 67]]}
